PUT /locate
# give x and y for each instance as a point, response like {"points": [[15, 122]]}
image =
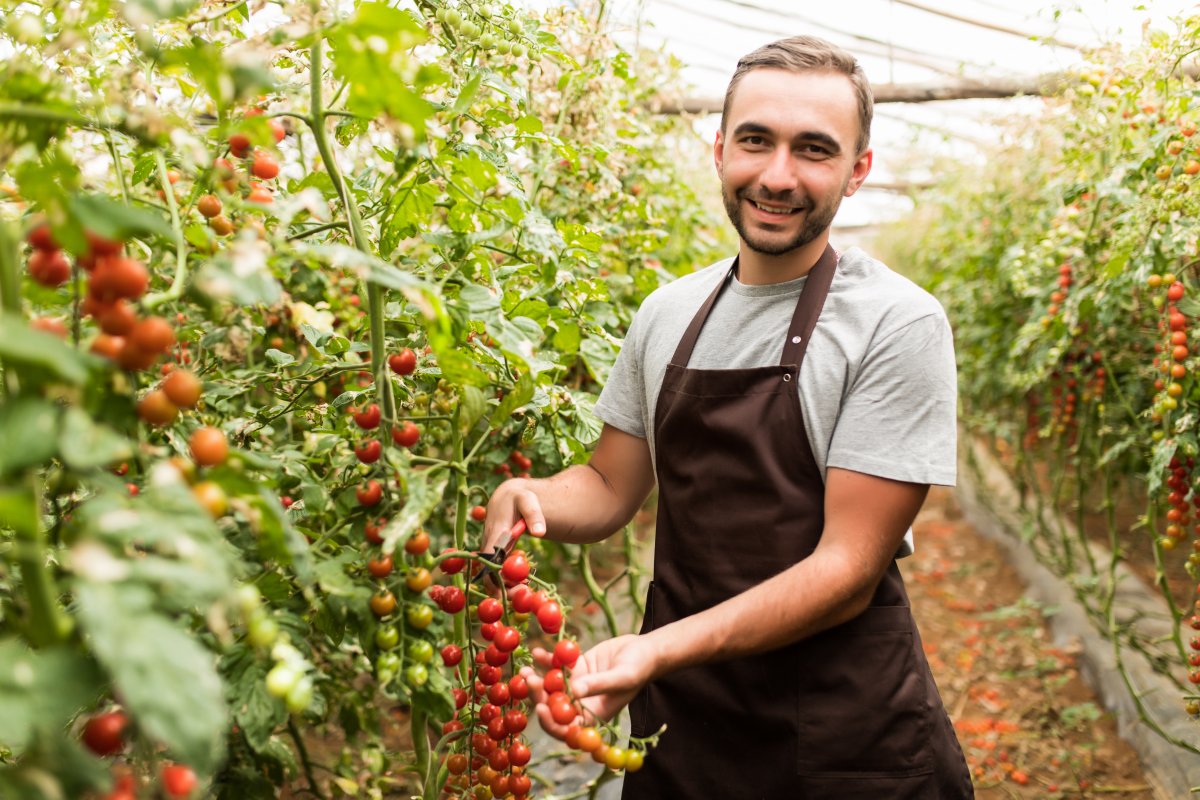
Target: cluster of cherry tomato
{"points": [[104, 735], [1172, 349], [262, 165]]}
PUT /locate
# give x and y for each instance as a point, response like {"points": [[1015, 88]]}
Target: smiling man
{"points": [[793, 405]]}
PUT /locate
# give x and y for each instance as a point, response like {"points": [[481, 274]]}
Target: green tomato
{"points": [[416, 675], [262, 631], [418, 616], [301, 695], [281, 680], [386, 637], [387, 662], [421, 651]]}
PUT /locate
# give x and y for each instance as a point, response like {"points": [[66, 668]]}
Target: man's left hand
{"points": [[604, 680]]}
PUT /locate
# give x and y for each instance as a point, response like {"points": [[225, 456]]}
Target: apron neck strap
{"points": [[808, 308]]}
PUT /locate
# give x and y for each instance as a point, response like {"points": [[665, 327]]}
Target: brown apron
{"points": [[851, 713]]}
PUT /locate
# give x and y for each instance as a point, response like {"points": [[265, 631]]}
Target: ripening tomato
{"points": [[383, 603], [418, 580], [589, 739], [210, 495], [614, 757], [380, 567], [418, 616], [182, 388], [386, 637], [373, 531], [264, 166], [209, 446], [156, 409], [417, 543], [221, 225], [153, 335], [479, 513], [634, 759]]}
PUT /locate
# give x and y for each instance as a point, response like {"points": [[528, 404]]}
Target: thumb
{"points": [[595, 683], [530, 510]]}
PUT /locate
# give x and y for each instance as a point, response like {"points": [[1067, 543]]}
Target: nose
{"points": [[778, 175]]}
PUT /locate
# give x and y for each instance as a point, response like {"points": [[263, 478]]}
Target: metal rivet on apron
{"points": [[795, 340], [787, 376]]}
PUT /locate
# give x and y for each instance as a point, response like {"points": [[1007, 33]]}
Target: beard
{"points": [[817, 217]]}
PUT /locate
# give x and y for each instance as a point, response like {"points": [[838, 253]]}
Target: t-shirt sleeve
{"points": [[622, 401], [898, 420]]}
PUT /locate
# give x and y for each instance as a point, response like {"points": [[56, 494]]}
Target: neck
{"points": [[755, 268]]}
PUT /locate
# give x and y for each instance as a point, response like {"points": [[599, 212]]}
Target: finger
{"points": [[535, 683], [551, 727], [530, 509], [543, 658], [606, 682]]}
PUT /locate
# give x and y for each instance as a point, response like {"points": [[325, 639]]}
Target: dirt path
{"points": [[1027, 723]]}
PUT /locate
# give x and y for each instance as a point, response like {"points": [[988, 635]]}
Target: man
{"points": [[794, 405]]}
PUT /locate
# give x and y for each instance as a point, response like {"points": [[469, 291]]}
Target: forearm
{"points": [[818, 593], [580, 505]]}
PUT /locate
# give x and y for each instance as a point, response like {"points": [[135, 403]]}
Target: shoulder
{"points": [[878, 298]]}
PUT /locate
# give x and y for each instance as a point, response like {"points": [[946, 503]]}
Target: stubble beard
{"points": [[816, 219]]}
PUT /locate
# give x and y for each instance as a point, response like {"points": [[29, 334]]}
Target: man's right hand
{"points": [[513, 500]]}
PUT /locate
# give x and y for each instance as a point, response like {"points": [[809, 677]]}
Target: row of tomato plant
{"points": [[1067, 259], [286, 290]]}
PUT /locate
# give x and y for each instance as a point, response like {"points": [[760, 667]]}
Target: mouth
{"points": [[774, 210]]}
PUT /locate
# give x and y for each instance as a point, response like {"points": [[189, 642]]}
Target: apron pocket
{"points": [[640, 723], [864, 704]]}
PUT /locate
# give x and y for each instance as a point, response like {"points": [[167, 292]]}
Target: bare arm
{"points": [[581, 504], [865, 520]]}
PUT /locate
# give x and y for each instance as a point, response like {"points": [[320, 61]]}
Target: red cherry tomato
{"points": [[451, 655], [178, 780], [566, 653], [553, 681], [507, 638], [515, 720], [407, 434], [369, 494], [479, 513], [518, 687], [521, 598], [380, 567], [516, 568], [104, 733], [453, 600], [404, 362], [369, 452], [498, 693], [549, 616], [453, 565], [490, 610], [369, 418]]}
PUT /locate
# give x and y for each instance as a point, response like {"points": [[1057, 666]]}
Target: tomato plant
{"points": [[313, 278]]}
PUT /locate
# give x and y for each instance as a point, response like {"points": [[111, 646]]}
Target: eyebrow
{"points": [[804, 136]]}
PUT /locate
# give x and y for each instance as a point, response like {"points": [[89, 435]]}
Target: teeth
{"points": [[780, 211]]}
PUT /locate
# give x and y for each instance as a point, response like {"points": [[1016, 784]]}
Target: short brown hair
{"points": [[809, 54]]}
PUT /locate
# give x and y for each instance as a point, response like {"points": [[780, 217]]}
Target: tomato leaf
{"points": [[519, 395], [34, 353], [422, 496], [85, 444], [27, 427], [167, 680], [256, 712], [42, 689], [115, 220]]}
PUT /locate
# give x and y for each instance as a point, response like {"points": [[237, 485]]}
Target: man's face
{"points": [[787, 156]]}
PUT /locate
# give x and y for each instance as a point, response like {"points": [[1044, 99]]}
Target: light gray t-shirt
{"points": [[878, 383]]}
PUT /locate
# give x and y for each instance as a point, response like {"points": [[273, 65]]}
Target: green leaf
{"points": [[529, 124], [472, 405], [166, 679], [114, 220], [42, 689], [24, 347], [371, 52], [27, 427], [422, 496], [256, 712], [520, 394], [280, 358], [18, 509], [85, 444], [599, 355], [467, 94]]}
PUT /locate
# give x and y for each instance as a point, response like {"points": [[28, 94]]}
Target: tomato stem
{"points": [[176, 290]]}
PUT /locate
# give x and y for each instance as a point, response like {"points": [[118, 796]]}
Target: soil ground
{"points": [[1028, 725]]}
